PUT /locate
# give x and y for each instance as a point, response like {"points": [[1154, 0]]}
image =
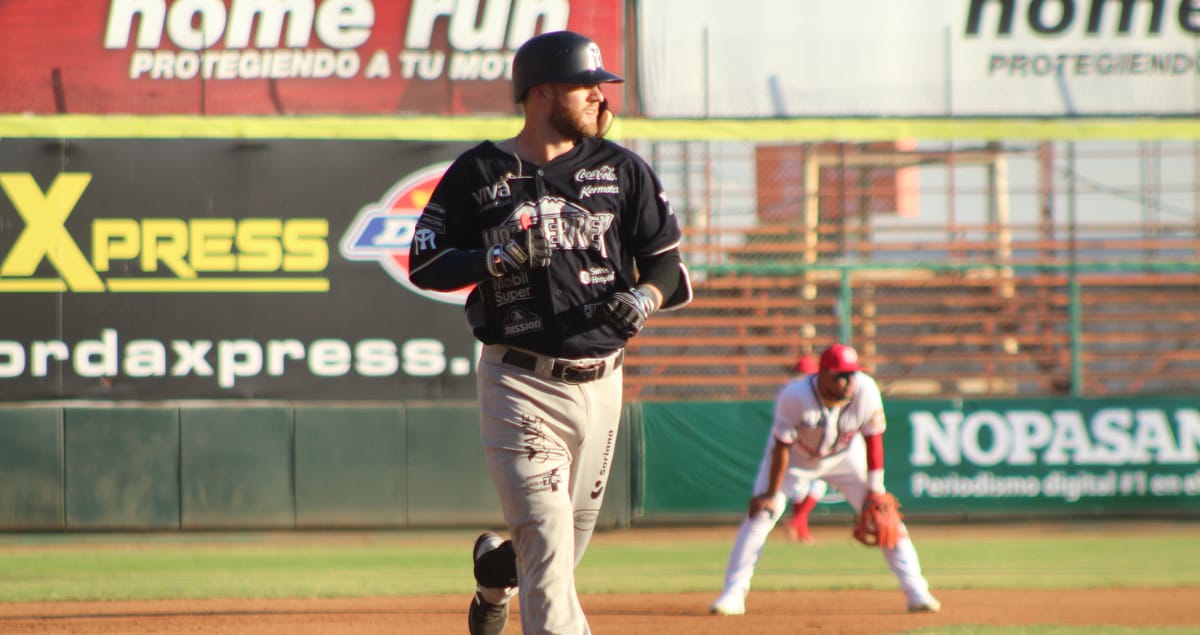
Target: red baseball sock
{"points": [[799, 520]]}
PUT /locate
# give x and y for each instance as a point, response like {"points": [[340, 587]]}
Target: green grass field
{"points": [[55, 567]]}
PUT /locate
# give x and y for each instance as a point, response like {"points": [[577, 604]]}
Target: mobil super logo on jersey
{"points": [[386, 230]]}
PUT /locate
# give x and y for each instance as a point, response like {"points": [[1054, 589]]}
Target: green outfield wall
{"points": [[274, 465], [961, 459], [294, 465]]}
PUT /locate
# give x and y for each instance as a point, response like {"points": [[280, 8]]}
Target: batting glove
{"points": [[627, 310], [526, 249]]}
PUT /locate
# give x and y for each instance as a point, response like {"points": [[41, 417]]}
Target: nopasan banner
{"points": [[177, 269], [950, 458], [291, 57]]}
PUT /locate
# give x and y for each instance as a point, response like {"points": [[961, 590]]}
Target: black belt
{"points": [[572, 372]]}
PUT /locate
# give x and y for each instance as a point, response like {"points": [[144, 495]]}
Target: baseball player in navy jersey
{"points": [[830, 426], [572, 245]]}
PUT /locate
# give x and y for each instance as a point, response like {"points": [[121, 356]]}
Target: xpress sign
{"points": [[199, 269], [169, 254]]}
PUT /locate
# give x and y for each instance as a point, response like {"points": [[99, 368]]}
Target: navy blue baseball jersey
{"points": [[602, 207]]}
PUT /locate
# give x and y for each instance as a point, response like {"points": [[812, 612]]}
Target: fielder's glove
{"points": [[879, 521], [526, 249], [627, 311]]}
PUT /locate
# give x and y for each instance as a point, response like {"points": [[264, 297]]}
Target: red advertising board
{"points": [[266, 57]]}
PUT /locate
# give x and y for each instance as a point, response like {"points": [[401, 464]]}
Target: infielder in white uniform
{"points": [[828, 426], [807, 495]]}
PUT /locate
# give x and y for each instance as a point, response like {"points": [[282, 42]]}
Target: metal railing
{"points": [[929, 326]]}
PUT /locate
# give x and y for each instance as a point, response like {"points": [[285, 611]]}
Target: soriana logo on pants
{"points": [[383, 232]]}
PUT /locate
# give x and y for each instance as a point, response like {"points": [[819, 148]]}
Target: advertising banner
{"points": [[242, 57], [178, 269], [973, 458], [1047, 455], [915, 58]]}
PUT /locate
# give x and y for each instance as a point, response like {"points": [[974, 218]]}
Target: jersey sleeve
{"points": [[789, 410], [445, 251], [656, 228], [656, 231], [871, 402]]}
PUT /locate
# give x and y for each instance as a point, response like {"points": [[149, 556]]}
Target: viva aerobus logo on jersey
{"points": [[383, 232]]}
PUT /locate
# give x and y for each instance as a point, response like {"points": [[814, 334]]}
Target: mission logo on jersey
{"points": [[384, 232]]}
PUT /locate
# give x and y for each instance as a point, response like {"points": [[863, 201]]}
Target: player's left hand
{"points": [[878, 522], [627, 310]]}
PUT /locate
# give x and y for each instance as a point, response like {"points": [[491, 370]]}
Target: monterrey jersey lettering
{"points": [[568, 225]]}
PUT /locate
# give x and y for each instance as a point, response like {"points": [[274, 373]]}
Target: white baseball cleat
{"points": [[730, 603], [927, 604]]}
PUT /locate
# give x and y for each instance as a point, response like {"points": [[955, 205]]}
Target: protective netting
{"points": [[993, 282]]}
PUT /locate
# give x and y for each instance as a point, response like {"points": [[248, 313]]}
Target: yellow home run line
{"points": [[476, 128], [164, 285]]}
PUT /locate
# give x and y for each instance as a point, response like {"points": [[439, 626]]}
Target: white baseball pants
{"points": [[549, 446], [848, 473]]}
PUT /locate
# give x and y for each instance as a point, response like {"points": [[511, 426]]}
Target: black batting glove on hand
{"points": [[526, 249], [627, 310]]}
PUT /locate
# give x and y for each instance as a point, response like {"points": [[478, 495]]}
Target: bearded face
{"points": [[574, 110]]}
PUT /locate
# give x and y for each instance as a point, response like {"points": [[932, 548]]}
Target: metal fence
{"points": [[1043, 268]]}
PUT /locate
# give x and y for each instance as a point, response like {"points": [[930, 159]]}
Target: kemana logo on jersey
{"points": [[384, 231]]}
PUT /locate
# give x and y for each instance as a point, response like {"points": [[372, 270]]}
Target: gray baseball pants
{"points": [[549, 447]]}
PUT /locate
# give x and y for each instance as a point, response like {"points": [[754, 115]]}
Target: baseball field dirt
{"points": [[850, 612], [768, 612]]}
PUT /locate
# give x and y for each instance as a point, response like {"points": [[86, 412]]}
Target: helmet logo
{"points": [[593, 55]]}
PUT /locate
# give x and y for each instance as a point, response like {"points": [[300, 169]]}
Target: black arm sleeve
{"points": [[452, 269], [660, 270]]}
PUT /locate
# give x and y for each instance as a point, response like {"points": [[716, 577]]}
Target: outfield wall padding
{"points": [[31, 468], [236, 467], [449, 482], [271, 465], [122, 467], [351, 467]]}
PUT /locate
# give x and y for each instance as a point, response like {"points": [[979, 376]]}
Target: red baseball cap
{"points": [[840, 358], [805, 366]]}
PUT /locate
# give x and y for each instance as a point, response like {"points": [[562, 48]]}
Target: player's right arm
{"points": [[437, 265], [789, 409], [768, 500], [447, 250], [442, 256]]}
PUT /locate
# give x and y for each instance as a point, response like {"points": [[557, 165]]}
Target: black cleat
{"points": [[486, 619], [483, 617]]}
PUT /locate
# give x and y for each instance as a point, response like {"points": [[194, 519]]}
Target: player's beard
{"points": [[572, 125]]}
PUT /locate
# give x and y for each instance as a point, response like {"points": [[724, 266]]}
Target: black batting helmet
{"points": [[558, 56]]}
